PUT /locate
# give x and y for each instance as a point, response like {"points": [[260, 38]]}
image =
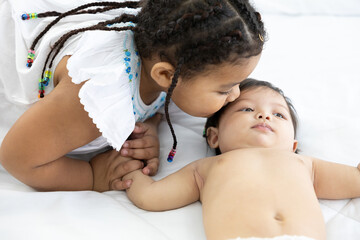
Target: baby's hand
{"points": [[109, 168], [144, 144]]}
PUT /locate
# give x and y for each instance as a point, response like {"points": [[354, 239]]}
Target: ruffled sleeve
{"points": [[106, 93]]}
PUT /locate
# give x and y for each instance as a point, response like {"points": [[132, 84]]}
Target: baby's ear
{"points": [[212, 137], [295, 145], [162, 73]]}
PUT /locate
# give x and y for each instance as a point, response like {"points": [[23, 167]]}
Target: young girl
{"points": [[105, 74], [257, 187]]}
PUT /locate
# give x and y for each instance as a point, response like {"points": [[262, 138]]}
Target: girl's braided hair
{"points": [[189, 34]]}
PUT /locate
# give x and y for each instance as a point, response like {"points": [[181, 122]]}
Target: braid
{"points": [[44, 81], [90, 11], [48, 14], [100, 26], [167, 101], [112, 5], [253, 17], [60, 43]]}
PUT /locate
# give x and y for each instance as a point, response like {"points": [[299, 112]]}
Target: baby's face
{"points": [[260, 117]]}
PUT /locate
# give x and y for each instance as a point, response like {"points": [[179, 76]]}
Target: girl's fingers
{"points": [[143, 153], [139, 128], [152, 167], [145, 142], [119, 185], [126, 167]]}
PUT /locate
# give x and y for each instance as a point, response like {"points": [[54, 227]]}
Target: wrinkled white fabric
{"points": [[284, 237]]}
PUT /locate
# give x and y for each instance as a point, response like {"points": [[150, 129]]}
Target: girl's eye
{"points": [[246, 109], [225, 93], [279, 115]]}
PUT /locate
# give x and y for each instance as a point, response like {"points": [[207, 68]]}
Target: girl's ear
{"points": [[212, 136], [162, 73], [295, 145]]}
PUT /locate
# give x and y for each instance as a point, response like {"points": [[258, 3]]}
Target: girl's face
{"points": [[206, 93], [259, 118]]}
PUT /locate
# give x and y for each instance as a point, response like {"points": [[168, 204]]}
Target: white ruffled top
{"points": [[109, 64]]}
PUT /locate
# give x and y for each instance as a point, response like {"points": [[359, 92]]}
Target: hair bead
{"points": [[44, 83], [24, 17], [41, 93], [28, 16], [171, 155], [30, 58]]}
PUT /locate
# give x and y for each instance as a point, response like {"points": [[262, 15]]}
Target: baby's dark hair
{"points": [[190, 34], [248, 84]]}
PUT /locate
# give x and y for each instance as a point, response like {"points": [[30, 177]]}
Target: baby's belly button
{"points": [[279, 217]]}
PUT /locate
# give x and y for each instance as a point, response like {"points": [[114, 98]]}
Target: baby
{"points": [[258, 187]]}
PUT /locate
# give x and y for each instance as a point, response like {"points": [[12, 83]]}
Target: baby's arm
{"points": [[336, 181], [174, 191]]}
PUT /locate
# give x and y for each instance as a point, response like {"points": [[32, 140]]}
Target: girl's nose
{"points": [[263, 116], [234, 94]]}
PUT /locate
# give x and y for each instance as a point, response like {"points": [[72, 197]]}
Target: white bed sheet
{"points": [[314, 59]]}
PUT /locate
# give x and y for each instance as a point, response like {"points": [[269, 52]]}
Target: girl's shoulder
{"points": [[100, 52], [100, 63]]}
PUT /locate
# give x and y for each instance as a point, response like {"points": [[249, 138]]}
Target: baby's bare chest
{"points": [[250, 171]]}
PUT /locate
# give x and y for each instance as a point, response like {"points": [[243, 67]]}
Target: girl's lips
{"points": [[263, 127]]}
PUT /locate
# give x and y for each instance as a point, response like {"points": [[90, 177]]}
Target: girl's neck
{"points": [[149, 89]]}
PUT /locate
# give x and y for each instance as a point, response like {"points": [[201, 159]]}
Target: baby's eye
{"points": [[246, 109], [279, 115]]}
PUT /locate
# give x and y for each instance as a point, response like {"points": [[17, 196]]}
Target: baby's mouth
{"points": [[263, 127]]}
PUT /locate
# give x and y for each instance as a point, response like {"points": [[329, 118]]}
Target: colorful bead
{"points": [[48, 74], [41, 93], [30, 58], [27, 16], [171, 155], [44, 82]]}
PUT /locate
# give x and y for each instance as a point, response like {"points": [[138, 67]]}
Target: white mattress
{"points": [[313, 57]]}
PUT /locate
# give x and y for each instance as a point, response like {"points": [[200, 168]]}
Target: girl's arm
{"points": [[33, 150], [336, 181], [176, 190]]}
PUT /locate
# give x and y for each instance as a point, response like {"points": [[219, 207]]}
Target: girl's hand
{"points": [[109, 168], [144, 145]]}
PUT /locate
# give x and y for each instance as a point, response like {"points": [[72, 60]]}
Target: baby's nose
{"points": [[263, 116]]}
